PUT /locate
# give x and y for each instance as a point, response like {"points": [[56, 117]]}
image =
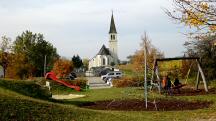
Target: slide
{"points": [[51, 75]]}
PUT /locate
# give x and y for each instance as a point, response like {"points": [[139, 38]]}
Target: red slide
{"points": [[51, 75]]}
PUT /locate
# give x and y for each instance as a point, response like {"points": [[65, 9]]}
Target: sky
{"points": [[81, 26]]}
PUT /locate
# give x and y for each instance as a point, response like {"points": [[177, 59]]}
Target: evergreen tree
{"points": [[77, 61]]}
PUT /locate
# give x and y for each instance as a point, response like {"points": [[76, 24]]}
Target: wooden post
{"points": [[153, 71], [145, 74], [197, 80], [158, 77], [202, 75]]}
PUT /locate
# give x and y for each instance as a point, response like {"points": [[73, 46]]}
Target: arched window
{"points": [[113, 37]]}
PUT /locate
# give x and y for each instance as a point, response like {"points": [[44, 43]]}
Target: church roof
{"points": [[112, 26], [104, 51]]}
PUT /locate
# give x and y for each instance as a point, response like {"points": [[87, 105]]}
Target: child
{"points": [[169, 84], [177, 84]]}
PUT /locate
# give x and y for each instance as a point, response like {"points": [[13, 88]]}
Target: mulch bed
{"points": [[139, 105]]}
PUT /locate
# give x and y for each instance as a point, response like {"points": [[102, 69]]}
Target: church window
{"points": [[113, 37]]}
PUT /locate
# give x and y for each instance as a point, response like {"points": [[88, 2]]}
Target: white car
{"points": [[114, 74]]}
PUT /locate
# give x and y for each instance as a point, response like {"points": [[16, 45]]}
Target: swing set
{"points": [[155, 72]]}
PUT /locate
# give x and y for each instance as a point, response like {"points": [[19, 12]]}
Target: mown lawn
{"points": [[17, 104]]}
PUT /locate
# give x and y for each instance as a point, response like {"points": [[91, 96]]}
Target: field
{"points": [[25, 100]]}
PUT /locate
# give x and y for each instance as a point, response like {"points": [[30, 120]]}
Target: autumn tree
{"points": [[152, 53], [5, 47], [198, 14], [62, 67], [85, 63], [19, 67]]}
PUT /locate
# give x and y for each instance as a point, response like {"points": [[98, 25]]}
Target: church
{"points": [[107, 57]]}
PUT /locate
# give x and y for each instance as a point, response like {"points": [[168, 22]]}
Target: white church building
{"points": [[107, 56]]}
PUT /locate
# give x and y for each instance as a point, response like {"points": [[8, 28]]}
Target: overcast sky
{"points": [[81, 26]]}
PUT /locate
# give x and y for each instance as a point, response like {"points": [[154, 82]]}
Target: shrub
{"points": [[28, 88], [128, 82], [62, 68], [82, 82]]}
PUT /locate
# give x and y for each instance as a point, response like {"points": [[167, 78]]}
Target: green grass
{"points": [[28, 88], [16, 103]]}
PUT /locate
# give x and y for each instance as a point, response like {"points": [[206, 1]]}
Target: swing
{"points": [[185, 83], [155, 71]]}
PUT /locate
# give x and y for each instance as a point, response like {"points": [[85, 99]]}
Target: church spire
{"points": [[112, 25]]}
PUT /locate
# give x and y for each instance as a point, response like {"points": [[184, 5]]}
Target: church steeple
{"points": [[113, 41], [112, 26]]}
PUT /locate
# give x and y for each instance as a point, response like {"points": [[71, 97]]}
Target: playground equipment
{"points": [[155, 71], [52, 76]]}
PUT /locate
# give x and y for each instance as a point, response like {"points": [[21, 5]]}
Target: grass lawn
{"points": [[16, 103]]}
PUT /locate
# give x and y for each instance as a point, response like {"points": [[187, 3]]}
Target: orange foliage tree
{"points": [[18, 67], [138, 57], [62, 67]]}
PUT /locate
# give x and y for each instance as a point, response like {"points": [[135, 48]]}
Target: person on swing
{"points": [[177, 84], [166, 83], [169, 84]]}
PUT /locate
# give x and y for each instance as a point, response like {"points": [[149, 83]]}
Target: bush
{"points": [[128, 82], [28, 88], [62, 67], [80, 82]]}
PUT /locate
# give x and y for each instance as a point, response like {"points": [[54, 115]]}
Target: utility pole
{"points": [[44, 65]]}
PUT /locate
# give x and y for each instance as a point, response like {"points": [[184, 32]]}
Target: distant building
{"points": [[107, 56]]}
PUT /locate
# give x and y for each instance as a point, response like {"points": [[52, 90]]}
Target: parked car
{"points": [[114, 74], [71, 76]]}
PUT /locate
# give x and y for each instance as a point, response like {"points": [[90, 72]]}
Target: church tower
{"points": [[113, 40]]}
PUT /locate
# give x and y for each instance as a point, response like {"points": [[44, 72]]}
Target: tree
{"points": [[77, 61], [199, 14], [5, 47], [62, 67], [85, 63], [18, 67], [205, 49], [34, 47], [130, 57], [138, 57]]}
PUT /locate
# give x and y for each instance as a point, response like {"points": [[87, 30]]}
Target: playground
{"points": [[58, 99], [23, 100]]}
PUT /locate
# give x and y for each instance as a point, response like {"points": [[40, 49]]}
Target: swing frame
{"points": [[155, 71]]}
